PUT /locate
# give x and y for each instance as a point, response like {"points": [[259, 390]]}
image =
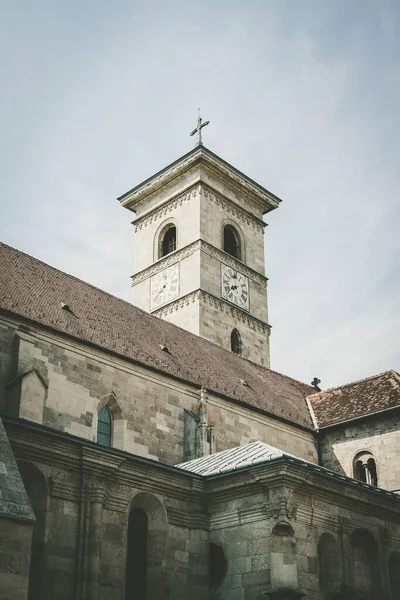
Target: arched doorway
{"points": [[136, 558], [146, 578], [36, 488]]}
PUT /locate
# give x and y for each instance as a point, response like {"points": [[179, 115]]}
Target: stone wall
{"points": [[90, 494], [73, 382], [379, 435], [283, 528]]}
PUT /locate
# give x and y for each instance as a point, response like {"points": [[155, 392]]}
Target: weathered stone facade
{"points": [[378, 435], [105, 407]]}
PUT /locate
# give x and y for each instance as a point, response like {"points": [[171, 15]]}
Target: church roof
{"points": [[233, 459], [35, 291], [357, 399]]}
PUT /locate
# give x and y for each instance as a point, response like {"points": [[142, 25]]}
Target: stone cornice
{"points": [[172, 203], [202, 296], [167, 207], [190, 249], [225, 172], [232, 208]]}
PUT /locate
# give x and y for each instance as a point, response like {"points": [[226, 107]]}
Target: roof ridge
{"points": [[291, 378], [350, 383]]}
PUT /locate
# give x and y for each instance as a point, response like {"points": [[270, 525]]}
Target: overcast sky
{"points": [[302, 95]]}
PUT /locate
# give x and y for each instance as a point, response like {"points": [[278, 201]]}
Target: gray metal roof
{"points": [[257, 453], [233, 459]]}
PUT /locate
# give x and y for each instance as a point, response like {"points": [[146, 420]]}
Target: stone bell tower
{"points": [[199, 260]]}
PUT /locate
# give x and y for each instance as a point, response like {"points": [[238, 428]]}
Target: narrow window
{"points": [[136, 558], [236, 345], [168, 243], [104, 427], [232, 242]]}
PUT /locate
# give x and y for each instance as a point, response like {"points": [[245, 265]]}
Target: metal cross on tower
{"points": [[198, 129]]}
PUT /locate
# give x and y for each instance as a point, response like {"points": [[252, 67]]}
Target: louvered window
{"points": [[104, 427]]}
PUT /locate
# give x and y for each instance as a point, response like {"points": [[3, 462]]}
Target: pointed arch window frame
{"points": [[105, 427]]}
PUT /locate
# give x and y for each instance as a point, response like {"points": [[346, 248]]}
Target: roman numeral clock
{"points": [[235, 287]]}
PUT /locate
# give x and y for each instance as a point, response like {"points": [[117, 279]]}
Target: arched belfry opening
{"points": [[364, 468], [236, 342], [232, 242], [168, 241], [136, 560]]}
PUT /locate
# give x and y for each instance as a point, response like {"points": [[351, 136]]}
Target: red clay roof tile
{"points": [[356, 399], [33, 290]]}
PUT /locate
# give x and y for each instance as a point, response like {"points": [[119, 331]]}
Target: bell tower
{"points": [[199, 260]]}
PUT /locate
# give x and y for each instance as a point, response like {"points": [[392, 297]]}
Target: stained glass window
{"points": [[104, 427]]}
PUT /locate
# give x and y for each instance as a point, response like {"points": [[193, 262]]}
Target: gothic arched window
{"points": [[232, 242], [104, 427], [236, 343], [364, 468], [168, 241]]}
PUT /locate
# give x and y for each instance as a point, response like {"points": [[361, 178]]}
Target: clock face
{"points": [[164, 286], [235, 287]]}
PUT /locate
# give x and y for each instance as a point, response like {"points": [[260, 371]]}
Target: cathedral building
{"points": [[149, 451]]}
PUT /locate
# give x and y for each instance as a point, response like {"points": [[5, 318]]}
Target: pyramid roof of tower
{"points": [[200, 154], [357, 399], [34, 292]]}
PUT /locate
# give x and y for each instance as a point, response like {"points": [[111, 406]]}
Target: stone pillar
{"points": [[384, 541], [344, 529], [96, 498], [202, 428]]}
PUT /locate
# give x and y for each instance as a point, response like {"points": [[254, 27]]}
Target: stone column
{"points": [[96, 498], [344, 529]]}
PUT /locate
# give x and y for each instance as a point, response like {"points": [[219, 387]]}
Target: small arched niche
{"points": [[218, 566], [232, 243], [365, 561], [364, 468], [283, 557], [328, 563], [167, 240], [236, 342]]}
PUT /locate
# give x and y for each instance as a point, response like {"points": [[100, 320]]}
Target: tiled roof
{"points": [[356, 399], [232, 459], [33, 290]]}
